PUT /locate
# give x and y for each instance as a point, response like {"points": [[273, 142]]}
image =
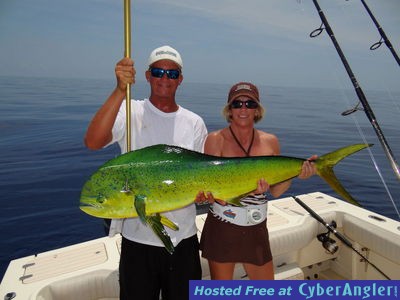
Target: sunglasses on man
{"points": [[159, 73]]}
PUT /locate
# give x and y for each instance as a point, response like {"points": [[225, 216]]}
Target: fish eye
{"points": [[100, 199]]}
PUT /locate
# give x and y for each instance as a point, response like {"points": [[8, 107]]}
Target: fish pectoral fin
{"points": [[140, 206], [167, 222], [155, 224]]}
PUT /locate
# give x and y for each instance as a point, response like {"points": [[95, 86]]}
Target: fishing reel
{"points": [[328, 243]]}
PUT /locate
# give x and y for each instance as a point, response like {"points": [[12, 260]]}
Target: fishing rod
{"points": [[127, 41], [361, 96], [127, 46], [384, 38], [327, 242]]}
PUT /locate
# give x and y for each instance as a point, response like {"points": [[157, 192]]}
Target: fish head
{"points": [[105, 195]]}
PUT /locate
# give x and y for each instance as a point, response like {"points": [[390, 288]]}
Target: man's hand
{"points": [[125, 73]]}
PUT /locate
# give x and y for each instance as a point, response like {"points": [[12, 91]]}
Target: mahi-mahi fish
{"points": [[146, 182]]}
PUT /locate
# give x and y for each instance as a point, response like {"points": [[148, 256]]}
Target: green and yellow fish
{"points": [[146, 182]]}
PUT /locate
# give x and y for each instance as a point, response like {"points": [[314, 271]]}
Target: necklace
{"points": [[240, 145]]}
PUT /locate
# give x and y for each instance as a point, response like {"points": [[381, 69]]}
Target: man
{"points": [[146, 268]]}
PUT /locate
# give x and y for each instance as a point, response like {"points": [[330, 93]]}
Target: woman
{"points": [[223, 242]]}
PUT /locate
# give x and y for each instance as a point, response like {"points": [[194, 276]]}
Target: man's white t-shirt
{"points": [[150, 126]]}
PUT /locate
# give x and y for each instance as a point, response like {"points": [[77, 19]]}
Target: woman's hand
{"points": [[262, 187], [204, 198], [308, 169], [207, 198]]}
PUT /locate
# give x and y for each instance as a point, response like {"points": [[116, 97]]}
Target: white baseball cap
{"points": [[165, 52]]}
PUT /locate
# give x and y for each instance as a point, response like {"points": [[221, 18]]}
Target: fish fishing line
{"points": [[384, 38], [378, 79], [361, 96], [377, 168], [365, 140]]}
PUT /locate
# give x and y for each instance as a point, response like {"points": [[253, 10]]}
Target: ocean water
{"points": [[44, 162]]}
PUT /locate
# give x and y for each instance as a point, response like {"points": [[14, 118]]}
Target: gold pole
{"points": [[127, 27]]}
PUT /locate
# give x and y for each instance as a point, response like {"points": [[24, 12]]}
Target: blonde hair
{"points": [[227, 112]]}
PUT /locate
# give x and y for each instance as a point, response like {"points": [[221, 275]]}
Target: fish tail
{"points": [[326, 163], [155, 224]]}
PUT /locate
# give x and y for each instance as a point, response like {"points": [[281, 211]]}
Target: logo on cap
{"points": [[243, 87], [166, 52]]}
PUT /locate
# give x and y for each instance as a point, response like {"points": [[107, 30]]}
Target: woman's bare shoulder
{"points": [[215, 136], [269, 143], [214, 142], [266, 136]]}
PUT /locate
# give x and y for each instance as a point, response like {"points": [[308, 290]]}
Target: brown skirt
{"points": [[226, 242]]}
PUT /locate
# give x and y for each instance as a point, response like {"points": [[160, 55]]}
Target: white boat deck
{"points": [[89, 270]]}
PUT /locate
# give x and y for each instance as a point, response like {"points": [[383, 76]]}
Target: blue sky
{"points": [[264, 41]]}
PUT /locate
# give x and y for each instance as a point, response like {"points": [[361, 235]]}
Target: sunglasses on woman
{"points": [[159, 73], [250, 104]]}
